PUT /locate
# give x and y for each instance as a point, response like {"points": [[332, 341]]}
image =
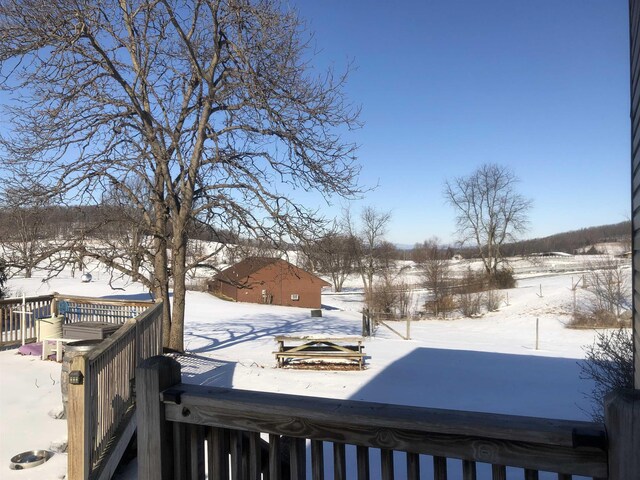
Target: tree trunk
{"points": [[161, 287], [178, 264]]}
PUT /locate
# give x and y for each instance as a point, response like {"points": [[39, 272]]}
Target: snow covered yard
{"points": [[484, 364], [29, 400], [487, 364]]}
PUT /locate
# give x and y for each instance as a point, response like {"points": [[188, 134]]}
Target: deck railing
{"points": [[251, 435], [101, 416], [86, 309], [15, 325]]}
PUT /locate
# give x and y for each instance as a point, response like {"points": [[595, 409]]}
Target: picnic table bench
{"points": [[292, 349]]}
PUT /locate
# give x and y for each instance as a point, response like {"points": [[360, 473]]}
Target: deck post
{"points": [[54, 304], [155, 450], [622, 419], [77, 424]]}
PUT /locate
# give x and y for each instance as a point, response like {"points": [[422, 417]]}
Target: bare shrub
{"points": [[442, 306], [502, 279], [477, 289], [610, 283], [384, 297], [470, 304], [436, 275], [391, 296], [471, 282], [609, 364], [597, 318], [405, 299], [492, 300]]}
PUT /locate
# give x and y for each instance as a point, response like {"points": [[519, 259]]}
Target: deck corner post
{"points": [[54, 304], [622, 420], [78, 464], [155, 450]]}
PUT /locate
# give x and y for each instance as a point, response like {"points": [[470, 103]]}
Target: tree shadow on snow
{"points": [[329, 307], [223, 335]]}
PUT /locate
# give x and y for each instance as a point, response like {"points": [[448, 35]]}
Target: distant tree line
{"points": [[572, 241], [50, 237]]}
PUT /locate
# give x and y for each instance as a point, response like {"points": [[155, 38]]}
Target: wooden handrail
{"points": [[121, 332], [104, 301], [531, 443], [18, 300]]}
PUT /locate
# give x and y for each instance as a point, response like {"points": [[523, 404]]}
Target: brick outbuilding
{"points": [[270, 281]]}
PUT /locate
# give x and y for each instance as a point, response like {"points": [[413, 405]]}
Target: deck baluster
{"points": [[413, 466], [317, 460], [218, 453], [362, 454], [386, 463], [298, 458], [275, 457], [196, 452], [468, 470], [179, 451], [530, 474], [498, 472], [339, 462], [255, 456], [235, 444], [439, 468]]}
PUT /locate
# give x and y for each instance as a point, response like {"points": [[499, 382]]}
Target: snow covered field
{"points": [[487, 364]]}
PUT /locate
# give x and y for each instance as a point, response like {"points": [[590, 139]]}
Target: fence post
{"points": [[155, 449], [54, 304], [622, 420], [77, 423]]}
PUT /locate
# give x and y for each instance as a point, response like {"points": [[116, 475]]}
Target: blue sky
{"points": [[448, 85]]}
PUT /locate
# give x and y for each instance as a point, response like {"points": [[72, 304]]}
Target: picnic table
{"points": [[322, 349]]}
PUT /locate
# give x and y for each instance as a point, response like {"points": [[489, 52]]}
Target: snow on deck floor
{"points": [[485, 364]]}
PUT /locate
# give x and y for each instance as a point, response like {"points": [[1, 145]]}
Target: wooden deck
{"points": [[193, 431]]}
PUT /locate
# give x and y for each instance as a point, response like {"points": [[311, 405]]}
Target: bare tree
{"points": [[334, 255], [209, 108], [489, 211], [27, 241], [370, 234], [406, 301], [436, 275]]}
